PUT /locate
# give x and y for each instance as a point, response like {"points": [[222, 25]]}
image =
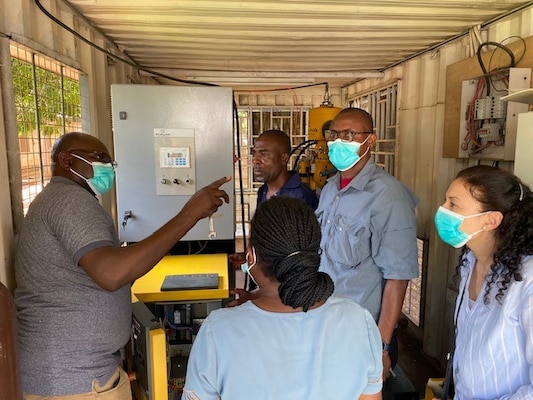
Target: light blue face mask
{"points": [[246, 268], [343, 154], [448, 222], [103, 176]]}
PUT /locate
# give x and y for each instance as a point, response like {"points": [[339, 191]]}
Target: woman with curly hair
{"points": [[305, 342], [489, 213]]}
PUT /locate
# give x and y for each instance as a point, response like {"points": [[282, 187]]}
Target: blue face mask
{"points": [[343, 154], [245, 267], [103, 176], [448, 222]]}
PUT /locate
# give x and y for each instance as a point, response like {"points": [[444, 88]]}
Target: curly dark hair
{"points": [[286, 236], [500, 190]]}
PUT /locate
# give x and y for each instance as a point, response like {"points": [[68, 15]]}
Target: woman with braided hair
{"points": [[489, 213], [307, 344]]}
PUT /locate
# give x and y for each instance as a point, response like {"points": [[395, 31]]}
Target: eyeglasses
{"points": [[343, 135], [99, 156]]}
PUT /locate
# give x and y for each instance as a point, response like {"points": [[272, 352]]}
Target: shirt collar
{"points": [[294, 180], [360, 180]]}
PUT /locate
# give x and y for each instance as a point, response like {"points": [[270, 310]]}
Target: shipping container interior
{"points": [[124, 70]]}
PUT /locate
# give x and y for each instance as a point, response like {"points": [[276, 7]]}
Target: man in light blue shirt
{"points": [[368, 227]]}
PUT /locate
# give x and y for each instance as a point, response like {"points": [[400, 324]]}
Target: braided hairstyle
{"points": [[286, 236], [500, 190]]}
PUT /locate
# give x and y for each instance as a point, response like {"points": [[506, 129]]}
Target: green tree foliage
{"points": [[57, 102]]}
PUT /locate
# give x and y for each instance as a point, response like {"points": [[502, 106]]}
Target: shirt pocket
{"points": [[348, 241]]}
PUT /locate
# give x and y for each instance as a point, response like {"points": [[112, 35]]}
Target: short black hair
{"points": [[359, 113], [279, 136]]}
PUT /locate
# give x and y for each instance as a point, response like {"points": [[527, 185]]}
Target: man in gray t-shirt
{"points": [[73, 278]]}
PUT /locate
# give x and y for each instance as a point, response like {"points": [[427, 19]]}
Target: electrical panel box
{"points": [[169, 142], [488, 123], [523, 165]]}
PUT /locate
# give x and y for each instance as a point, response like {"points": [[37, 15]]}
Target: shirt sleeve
{"points": [[200, 382], [526, 317], [375, 366], [80, 223], [394, 246]]}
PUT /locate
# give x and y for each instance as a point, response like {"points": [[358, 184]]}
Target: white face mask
{"points": [[246, 268]]}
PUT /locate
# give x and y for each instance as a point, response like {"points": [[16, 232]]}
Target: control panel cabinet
{"points": [[169, 142], [488, 124]]}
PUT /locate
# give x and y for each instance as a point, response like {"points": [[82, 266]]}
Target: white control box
{"points": [[169, 142]]}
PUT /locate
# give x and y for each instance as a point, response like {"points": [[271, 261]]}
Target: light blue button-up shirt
{"points": [[368, 234], [494, 346]]}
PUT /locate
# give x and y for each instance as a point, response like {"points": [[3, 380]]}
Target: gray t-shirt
{"points": [[70, 329]]}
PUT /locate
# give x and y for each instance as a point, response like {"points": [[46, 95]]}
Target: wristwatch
{"points": [[386, 347]]}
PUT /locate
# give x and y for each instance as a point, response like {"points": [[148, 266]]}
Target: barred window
{"points": [[48, 104]]}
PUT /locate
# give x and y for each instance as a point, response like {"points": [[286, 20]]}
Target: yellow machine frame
{"points": [[319, 118], [147, 289]]}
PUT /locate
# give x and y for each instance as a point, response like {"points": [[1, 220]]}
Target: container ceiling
{"points": [[283, 42]]}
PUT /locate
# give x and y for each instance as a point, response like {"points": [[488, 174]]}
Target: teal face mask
{"points": [[103, 176], [448, 222], [343, 154]]}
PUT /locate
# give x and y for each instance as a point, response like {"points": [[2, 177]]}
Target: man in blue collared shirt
{"points": [[270, 156], [368, 226]]}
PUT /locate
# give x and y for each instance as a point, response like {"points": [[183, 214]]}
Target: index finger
{"points": [[238, 291], [219, 182]]}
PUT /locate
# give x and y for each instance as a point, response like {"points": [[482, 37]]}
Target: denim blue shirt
{"points": [[368, 234], [294, 187]]}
